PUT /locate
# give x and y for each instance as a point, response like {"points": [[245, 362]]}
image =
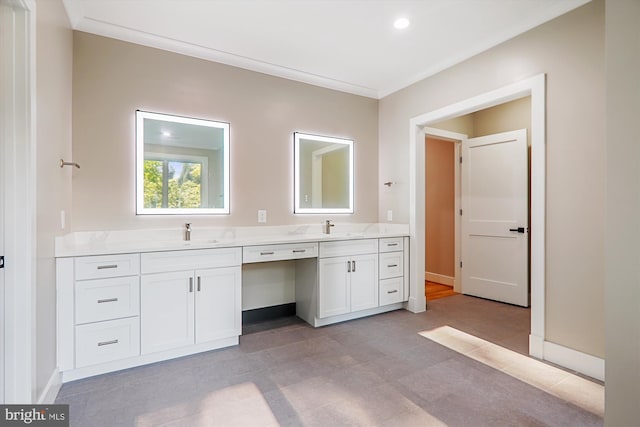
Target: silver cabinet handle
{"points": [[104, 267], [100, 344], [266, 253], [348, 266], [392, 244], [190, 284], [392, 292], [102, 301], [353, 268], [299, 251], [392, 265], [198, 283]]}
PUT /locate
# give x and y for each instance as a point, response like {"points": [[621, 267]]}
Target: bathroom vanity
{"points": [[124, 303]]}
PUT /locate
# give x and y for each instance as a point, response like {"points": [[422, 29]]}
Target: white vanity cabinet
{"points": [[124, 310], [392, 270], [347, 284], [193, 305], [98, 309], [347, 276]]}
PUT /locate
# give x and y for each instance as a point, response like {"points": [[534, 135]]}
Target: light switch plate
{"points": [[262, 216], [389, 215]]}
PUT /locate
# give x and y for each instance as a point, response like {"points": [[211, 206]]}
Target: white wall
{"points": [[570, 50], [54, 48], [622, 296]]}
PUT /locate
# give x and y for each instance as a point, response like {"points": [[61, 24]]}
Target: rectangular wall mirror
{"points": [[182, 165], [323, 174]]}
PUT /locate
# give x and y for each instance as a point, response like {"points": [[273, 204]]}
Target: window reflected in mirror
{"points": [[323, 174], [182, 165]]}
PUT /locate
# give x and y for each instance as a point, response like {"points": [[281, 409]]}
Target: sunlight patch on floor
{"points": [[562, 384], [237, 405]]}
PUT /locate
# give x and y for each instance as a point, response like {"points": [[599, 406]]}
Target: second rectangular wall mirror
{"points": [[323, 174], [182, 165]]}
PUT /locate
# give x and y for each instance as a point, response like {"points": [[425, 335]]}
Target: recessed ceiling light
{"points": [[166, 133], [401, 23]]}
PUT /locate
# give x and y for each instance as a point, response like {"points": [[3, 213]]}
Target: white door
{"points": [[495, 231], [364, 282], [334, 293], [218, 303], [166, 311]]}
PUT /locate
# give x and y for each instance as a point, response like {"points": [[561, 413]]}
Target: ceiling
{"points": [[347, 45]]}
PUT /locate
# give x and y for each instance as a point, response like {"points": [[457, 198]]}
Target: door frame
{"points": [[536, 88], [456, 139], [19, 189]]}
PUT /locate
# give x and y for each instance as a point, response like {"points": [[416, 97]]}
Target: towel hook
{"points": [[63, 164]]}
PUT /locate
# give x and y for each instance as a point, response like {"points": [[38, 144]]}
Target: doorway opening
{"points": [[535, 88], [494, 143]]}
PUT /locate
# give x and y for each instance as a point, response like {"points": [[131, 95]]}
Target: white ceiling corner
{"points": [[347, 45]]}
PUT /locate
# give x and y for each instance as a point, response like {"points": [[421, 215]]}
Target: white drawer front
{"points": [[106, 341], [391, 244], [391, 264], [348, 247], [159, 262], [391, 290], [107, 299], [279, 252], [103, 266]]}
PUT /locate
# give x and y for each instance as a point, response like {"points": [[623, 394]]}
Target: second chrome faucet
{"points": [[187, 231]]}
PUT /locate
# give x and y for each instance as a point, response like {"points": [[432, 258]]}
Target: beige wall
{"points": [[622, 296], [113, 78], [439, 207], [54, 48], [570, 50]]}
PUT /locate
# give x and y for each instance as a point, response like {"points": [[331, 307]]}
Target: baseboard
{"points": [[536, 347], [268, 313], [575, 360], [439, 278], [50, 391]]}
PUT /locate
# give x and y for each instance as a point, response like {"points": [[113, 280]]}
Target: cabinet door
{"points": [[218, 303], [364, 282], [333, 286], [166, 311]]}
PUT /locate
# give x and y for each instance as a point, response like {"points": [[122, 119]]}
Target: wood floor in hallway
{"points": [[433, 290]]}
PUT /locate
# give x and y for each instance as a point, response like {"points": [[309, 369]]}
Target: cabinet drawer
{"points": [[106, 341], [107, 299], [279, 252], [391, 264], [103, 266], [391, 290], [348, 247], [391, 244], [160, 262]]}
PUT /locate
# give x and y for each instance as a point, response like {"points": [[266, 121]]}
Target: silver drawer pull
{"points": [[100, 344], [299, 251], [104, 267], [266, 253], [102, 301], [392, 265], [392, 292], [392, 244]]}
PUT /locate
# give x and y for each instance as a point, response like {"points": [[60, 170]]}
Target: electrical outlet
{"points": [[262, 216], [63, 219], [389, 215]]}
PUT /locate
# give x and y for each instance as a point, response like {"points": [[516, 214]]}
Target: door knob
{"points": [[519, 229]]}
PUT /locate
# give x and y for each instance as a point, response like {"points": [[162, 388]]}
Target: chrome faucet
{"points": [[327, 226], [187, 231]]}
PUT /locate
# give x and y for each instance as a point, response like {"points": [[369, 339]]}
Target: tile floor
{"points": [[375, 371]]}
